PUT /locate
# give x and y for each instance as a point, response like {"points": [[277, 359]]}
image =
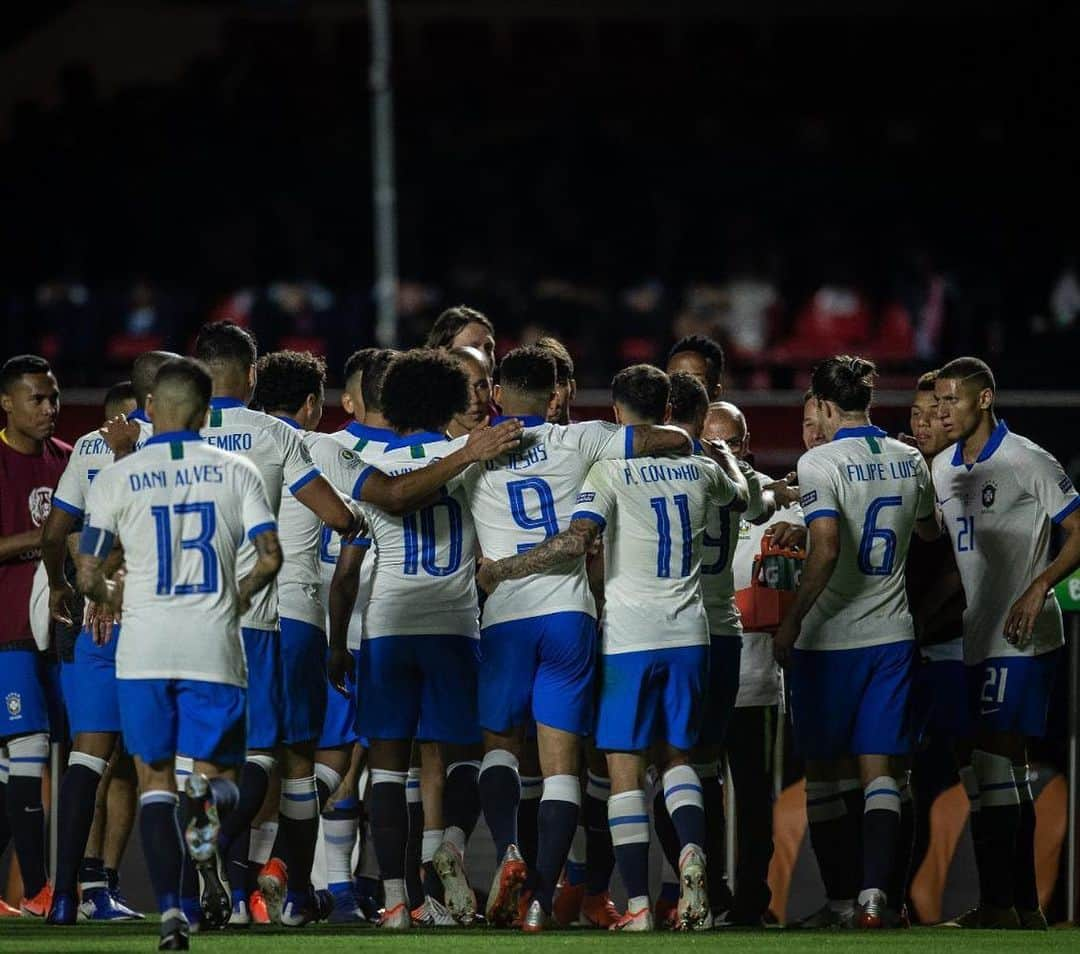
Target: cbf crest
{"points": [[13, 702], [989, 494]]}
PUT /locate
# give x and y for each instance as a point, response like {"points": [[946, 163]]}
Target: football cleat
{"points": [[536, 919], [1032, 920], [693, 913], [825, 917], [201, 835], [101, 904], [257, 908], [241, 914], [64, 909], [665, 913], [460, 898], [37, 906], [396, 918], [599, 911], [174, 933], [634, 921], [567, 907], [272, 878], [872, 913], [7, 911], [432, 914], [502, 906]]}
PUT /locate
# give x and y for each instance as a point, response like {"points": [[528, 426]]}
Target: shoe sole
{"points": [[502, 909], [460, 900], [693, 910]]}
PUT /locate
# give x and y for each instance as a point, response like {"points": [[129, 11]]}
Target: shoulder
{"points": [[1018, 445], [823, 456]]}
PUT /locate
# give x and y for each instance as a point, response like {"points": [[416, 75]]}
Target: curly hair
{"points": [[709, 350], [423, 390], [286, 378]]}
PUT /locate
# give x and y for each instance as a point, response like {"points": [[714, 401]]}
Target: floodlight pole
{"points": [[382, 169]]}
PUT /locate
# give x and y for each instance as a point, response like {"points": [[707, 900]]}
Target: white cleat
{"points": [[396, 918], [433, 914], [634, 922], [460, 898], [693, 913]]}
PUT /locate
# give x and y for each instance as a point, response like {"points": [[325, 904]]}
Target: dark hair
{"points": [[564, 364], [222, 342], [807, 395], [528, 370], [188, 372], [423, 389], [926, 381], [846, 380], [357, 362], [14, 368], [144, 370], [374, 371], [286, 378], [119, 393], [644, 389], [709, 350], [689, 399], [968, 368], [451, 321]]}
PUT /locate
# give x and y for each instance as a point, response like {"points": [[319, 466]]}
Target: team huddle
{"points": [[463, 604]]}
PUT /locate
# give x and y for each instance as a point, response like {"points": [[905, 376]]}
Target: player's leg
{"points": [[532, 787], [121, 808], [596, 906], [628, 821], [414, 803], [461, 812]]}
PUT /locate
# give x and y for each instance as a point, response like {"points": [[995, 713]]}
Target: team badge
{"points": [[40, 504], [349, 459], [989, 492], [14, 705]]}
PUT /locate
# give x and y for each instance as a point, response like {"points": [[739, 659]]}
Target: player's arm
{"points": [[320, 497], [1020, 622], [929, 523], [343, 589], [407, 492], [267, 563], [594, 570], [820, 562], [59, 525], [16, 544], [734, 489], [660, 440], [565, 547]]}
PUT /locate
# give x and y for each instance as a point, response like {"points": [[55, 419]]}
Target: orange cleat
{"points": [[503, 899], [600, 911], [37, 906], [257, 908], [567, 907], [272, 879], [7, 911]]}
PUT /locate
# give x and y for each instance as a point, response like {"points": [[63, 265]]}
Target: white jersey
{"points": [[180, 510], [717, 579], [282, 461], [876, 488], [998, 512], [653, 513], [520, 500], [340, 457], [760, 681], [89, 454], [424, 582]]}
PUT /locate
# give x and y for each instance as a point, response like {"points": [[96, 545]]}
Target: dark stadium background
{"points": [[617, 172]]}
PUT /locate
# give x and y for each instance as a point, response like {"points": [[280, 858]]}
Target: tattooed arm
{"points": [[572, 544], [267, 564], [661, 440]]}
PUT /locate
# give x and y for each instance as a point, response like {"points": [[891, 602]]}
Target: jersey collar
{"points": [[866, 430], [423, 437], [368, 433], [527, 420], [997, 435], [169, 436], [290, 421], [139, 415], [219, 402]]}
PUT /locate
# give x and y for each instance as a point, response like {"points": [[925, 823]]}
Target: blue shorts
{"points": [[24, 687], [302, 677], [163, 718], [89, 684], [417, 687], [543, 668], [1011, 693], [262, 648], [652, 696], [339, 723], [852, 701], [939, 700], [725, 656]]}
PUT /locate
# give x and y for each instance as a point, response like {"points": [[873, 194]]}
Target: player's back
{"points": [[520, 500], [424, 579], [655, 511], [89, 454], [180, 509], [876, 488]]}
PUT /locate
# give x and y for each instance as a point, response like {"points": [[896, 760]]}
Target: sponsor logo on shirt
{"points": [[349, 459], [808, 498], [989, 492], [586, 496], [1065, 485], [40, 504], [14, 705]]}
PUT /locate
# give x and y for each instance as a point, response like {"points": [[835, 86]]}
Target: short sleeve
{"points": [[255, 508], [339, 465], [596, 499], [1050, 485], [69, 495], [299, 468], [755, 504], [599, 440], [818, 488], [101, 523]]}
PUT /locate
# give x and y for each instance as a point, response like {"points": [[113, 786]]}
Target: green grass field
{"points": [[29, 937]]}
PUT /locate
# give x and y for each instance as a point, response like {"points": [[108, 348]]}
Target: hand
{"points": [[908, 439], [1020, 622], [359, 526], [121, 435], [486, 577], [786, 491], [787, 536], [784, 641], [61, 600], [487, 443], [339, 670], [717, 450]]}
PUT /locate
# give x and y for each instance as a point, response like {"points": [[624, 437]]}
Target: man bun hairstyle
{"points": [[528, 370], [643, 389], [689, 399], [286, 378], [451, 321], [424, 389], [970, 369], [14, 368], [846, 380], [226, 343]]}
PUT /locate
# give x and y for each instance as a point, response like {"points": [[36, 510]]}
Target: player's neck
{"points": [[375, 419], [517, 406], [230, 385], [976, 440], [20, 442]]}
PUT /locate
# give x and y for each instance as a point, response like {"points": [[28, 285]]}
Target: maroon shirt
{"points": [[27, 482]]}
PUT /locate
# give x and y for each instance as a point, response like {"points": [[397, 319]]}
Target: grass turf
{"points": [[33, 937]]}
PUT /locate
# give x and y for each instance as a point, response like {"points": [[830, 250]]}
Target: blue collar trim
{"points": [[866, 430], [997, 435], [220, 402], [368, 433], [423, 437], [139, 415], [170, 436], [288, 420], [527, 420]]}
